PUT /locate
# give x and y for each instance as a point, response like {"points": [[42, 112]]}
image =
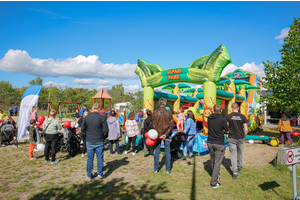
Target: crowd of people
{"points": [[97, 126]]}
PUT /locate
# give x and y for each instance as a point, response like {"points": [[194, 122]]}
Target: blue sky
{"points": [[97, 44]]}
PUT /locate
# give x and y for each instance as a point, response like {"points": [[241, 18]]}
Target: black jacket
{"points": [[216, 127], [148, 123], [94, 126]]}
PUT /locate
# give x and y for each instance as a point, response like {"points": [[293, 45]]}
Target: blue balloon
{"points": [[168, 108]]}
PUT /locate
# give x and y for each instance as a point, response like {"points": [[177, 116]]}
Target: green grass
{"points": [[132, 177]]}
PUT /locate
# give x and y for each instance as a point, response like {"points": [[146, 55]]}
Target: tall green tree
{"points": [[7, 93], [37, 81], [283, 77]]}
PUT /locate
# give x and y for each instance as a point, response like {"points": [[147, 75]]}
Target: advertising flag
{"points": [[30, 98]]}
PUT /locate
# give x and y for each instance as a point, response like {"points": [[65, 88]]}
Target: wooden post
{"points": [[94, 100], [109, 104], [60, 119], [100, 103]]}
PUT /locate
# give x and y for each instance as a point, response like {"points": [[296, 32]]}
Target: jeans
{"points": [[38, 136], [131, 140], [188, 143], [167, 142], [217, 152], [51, 140], [236, 147], [92, 148]]}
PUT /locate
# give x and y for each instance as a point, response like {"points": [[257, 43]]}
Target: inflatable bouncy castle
{"points": [[239, 86]]}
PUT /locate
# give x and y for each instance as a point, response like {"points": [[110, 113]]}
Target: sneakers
{"points": [[47, 160], [234, 176], [120, 153], [100, 177], [216, 186], [126, 152], [155, 172], [168, 172], [183, 158], [82, 155], [55, 161], [33, 158], [133, 153]]}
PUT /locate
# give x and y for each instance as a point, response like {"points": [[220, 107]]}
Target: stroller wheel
{"points": [[64, 149], [72, 152]]}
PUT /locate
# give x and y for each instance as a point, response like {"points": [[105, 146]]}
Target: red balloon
{"points": [[40, 125], [41, 119], [146, 135], [67, 124], [150, 142], [295, 134]]}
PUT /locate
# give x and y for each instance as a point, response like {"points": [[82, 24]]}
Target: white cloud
{"points": [[250, 67], [132, 87], [90, 81], [283, 33], [54, 84], [19, 61], [103, 86]]}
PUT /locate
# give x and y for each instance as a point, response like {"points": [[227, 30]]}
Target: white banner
{"points": [[30, 98]]}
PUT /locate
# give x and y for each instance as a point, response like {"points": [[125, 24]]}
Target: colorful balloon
{"points": [[150, 142], [153, 134], [295, 134], [67, 124], [41, 119], [146, 135]]}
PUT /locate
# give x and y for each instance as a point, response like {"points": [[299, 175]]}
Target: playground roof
{"points": [[102, 94]]}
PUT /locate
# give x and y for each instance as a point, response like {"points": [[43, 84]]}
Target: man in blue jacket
{"points": [[94, 127]]}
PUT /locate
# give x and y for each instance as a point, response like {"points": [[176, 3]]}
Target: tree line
{"points": [[11, 96]]}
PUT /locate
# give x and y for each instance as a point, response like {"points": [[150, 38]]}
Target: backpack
{"points": [[7, 127]]}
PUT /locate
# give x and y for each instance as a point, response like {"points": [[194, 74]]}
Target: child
{"points": [[181, 120], [33, 115], [32, 138]]}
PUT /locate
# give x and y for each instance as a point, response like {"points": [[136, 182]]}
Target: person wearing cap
{"points": [[51, 127], [94, 127]]}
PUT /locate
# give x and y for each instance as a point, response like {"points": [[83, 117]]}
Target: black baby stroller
{"points": [[7, 133], [177, 140], [70, 142]]}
